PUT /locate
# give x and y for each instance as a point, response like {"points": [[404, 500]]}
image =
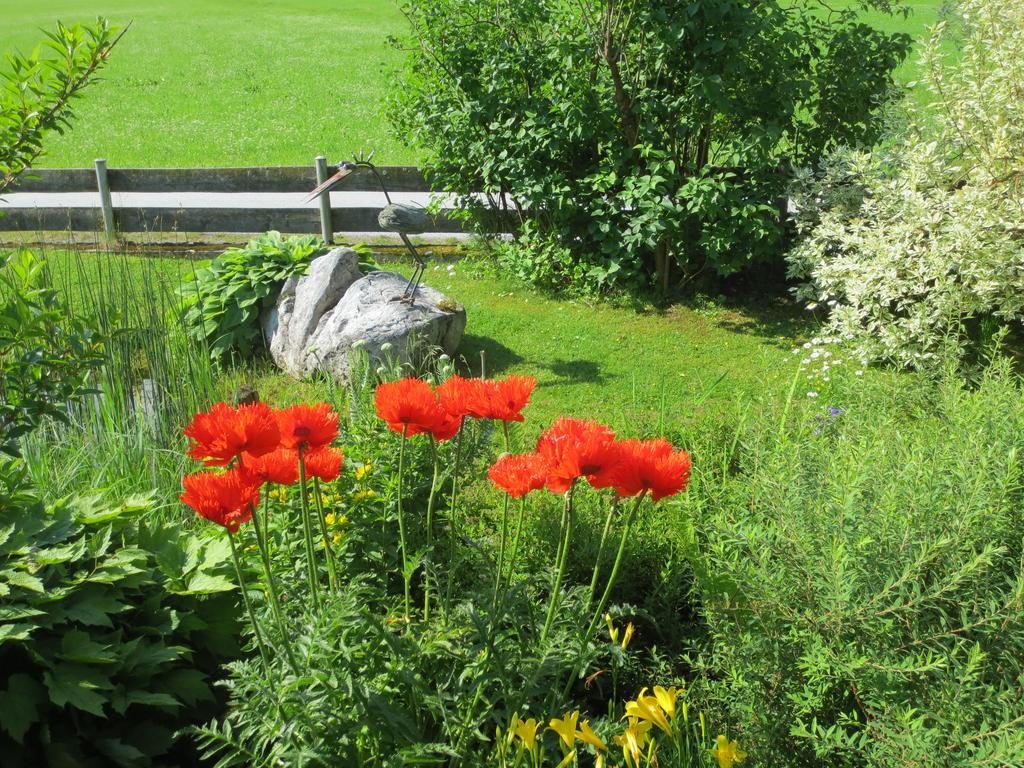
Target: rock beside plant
{"points": [[321, 317]]}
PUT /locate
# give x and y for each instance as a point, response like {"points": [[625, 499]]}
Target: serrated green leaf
{"points": [[67, 685], [23, 580], [208, 583], [77, 646], [19, 705]]}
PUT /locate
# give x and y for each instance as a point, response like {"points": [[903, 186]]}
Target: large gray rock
{"points": [[318, 318]]}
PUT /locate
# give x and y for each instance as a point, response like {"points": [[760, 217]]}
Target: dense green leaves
{"points": [[628, 139], [107, 640], [45, 355], [223, 303]]}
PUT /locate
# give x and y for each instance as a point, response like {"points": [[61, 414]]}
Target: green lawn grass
{"points": [[218, 83], [639, 370]]}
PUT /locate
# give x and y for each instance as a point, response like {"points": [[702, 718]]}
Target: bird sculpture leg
{"points": [[421, 266], [409, 294]]}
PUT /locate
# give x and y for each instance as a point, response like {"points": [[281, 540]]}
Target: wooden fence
{"points": [[290, 216]]}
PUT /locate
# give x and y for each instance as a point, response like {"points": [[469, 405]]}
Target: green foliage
{"points": [[915, 248], [639, 138], [37, 91], [223, 303], [46, 356], [860, 575], [108, 632]]}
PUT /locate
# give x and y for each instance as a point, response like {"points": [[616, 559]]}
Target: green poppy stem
{"points": [[401, 521], [430, 532], [452, 536], [514, 556], [600, 547], [563, 557], [307, 529], [615, 567], [504, 530], [248, 607], [332, 572], [275, 601]]}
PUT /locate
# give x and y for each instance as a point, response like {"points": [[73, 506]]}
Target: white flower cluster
{"points": [[822, 356]]}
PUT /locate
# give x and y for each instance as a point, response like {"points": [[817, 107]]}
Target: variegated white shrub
{"points": [[916, 249]]}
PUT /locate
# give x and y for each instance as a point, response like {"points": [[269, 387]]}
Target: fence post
{"points": [[326, 228], [103, 186]]}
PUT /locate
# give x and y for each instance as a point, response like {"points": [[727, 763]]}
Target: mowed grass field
{"points": [[267, 82]]}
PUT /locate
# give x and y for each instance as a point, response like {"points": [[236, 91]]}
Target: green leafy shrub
{"points": [[633, 141], [46, 356], [37, 91], [860, 574], [914, 249], [223, 303], [108, 641]]}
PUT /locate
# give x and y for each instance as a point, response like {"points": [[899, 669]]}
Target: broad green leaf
{"points": [[19, 705]]}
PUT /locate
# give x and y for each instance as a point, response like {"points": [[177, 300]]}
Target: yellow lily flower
{"points": [[627, 635], [646, 708], [667, 699], [566, 727], [613, 633], [633, 739], [727, 752], [363, 471], [526, 730], [330, 518], [587, 735]]}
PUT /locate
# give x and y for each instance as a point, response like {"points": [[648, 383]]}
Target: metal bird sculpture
{"points": [[402, 219]]}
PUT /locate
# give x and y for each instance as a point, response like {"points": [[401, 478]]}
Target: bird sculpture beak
{"points": [[330, 183]]}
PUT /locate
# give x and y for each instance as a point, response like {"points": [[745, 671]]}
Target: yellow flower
{"points": [[526, 730], [586, 734], [566, 727], [727, 752], [633, 739], [627, 635], [613, 633], [330, 518], [337, 537], [362, 495], [646, 708], [667, 699], [363, 471], [342, 519]]}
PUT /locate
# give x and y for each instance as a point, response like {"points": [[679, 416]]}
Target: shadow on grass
{"points": [[499, 359]]}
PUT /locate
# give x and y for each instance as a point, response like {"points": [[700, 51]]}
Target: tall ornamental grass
{"points": [[860, 574]]}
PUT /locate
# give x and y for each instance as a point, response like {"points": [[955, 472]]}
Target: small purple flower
{"points": [[834, 412]]}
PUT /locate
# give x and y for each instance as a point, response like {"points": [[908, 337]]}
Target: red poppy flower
{"points": [[651, 465], [574, 448], [324, 463], [223, 432], [519, 474], [507, 397], [280, 466], [307, 427], [446, 427], [409, 405], [465, 397], [225, 498]]}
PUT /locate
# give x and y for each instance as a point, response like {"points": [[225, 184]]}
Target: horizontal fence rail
{"points": [[51, 200]]}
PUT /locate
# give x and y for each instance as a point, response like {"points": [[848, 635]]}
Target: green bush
{"points": [[37, 91], [914, 250], [108, 643], [46, 356], [223, 303], [627, 140], [860, 576]]}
